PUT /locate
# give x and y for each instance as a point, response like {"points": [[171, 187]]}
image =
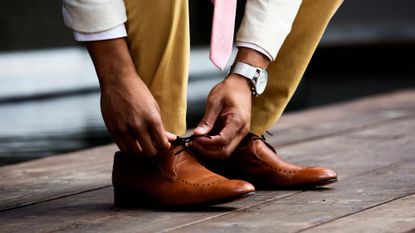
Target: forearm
{"points": [[112, 60], [252, 57]]}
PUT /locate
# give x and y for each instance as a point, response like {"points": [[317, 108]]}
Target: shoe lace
{"points": [[183, 141], [262, 138]]}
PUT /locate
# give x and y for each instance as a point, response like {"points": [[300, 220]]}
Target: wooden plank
{"points": [[94, 212], [54, 177], [395, 216], [369, 175], [377, 167], [343, 117], [58, 176]]}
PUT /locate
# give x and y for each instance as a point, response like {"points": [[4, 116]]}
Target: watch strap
{"points": [[245, 70]]}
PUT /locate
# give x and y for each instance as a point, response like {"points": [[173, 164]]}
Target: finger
{"points": [[159, 137], [210, 152], [226, 135], [121, 145], [128, 144], [217, 152], [146, 143], [170, 136], [206, 124], [133, 146]]}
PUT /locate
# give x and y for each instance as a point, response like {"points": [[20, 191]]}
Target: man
{"points": [[140, 50]]}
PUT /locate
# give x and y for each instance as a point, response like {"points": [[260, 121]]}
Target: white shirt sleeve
{"points": [[266, 23], [116, 32], [255, 47], [91, 16]]}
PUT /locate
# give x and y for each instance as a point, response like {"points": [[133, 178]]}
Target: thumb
{"points": [[170, 136], [208, 121]]}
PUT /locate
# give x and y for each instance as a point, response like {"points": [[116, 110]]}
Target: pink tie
{"points": [[222, 32]]}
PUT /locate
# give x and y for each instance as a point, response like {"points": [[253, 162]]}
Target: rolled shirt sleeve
{"points": [[91, 16], [116, 32], [266, 23], [255, 47]]}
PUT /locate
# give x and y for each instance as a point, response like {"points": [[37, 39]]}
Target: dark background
{"points": [[371, 42], [367, 49]]}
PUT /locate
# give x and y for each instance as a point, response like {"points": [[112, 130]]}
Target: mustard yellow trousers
{"points": [[158, 39]]}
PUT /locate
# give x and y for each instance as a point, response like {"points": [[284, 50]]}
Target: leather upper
{"points": [[256, 161], [174, 178]]}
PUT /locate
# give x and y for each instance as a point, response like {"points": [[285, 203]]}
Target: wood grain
{"points": [[343, 117], [375, 166], [72, 173], [56, 176], [396, 216]]}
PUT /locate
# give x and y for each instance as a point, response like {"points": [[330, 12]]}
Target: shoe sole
{"points": [[294, 187], [124, 198]]}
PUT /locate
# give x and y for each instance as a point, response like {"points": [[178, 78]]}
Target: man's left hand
{"points": [[228, 113]]}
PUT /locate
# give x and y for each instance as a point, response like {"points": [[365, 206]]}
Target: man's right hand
{"points": [[130, 112]]}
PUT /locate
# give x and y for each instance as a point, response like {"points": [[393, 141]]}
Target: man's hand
{"points": [[130, 112], [228, 111]]}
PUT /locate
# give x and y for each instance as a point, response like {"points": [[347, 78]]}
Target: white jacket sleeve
{"points": [[90, 16], [266, 23]]}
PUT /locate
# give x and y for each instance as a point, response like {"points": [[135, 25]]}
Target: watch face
{"points": [[261, 82]]}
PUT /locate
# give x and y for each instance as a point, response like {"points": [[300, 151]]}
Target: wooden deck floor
{"points": [[370, 143]]}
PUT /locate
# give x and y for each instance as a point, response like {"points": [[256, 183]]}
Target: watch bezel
{"points": [[256, 77], [261, 78]]}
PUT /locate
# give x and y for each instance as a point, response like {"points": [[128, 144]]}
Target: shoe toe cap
{"points": [[238, 187], [317, 175]]}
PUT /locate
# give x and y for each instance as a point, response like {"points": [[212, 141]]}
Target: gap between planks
{"points": [[380, 168], [292, 194], [358, 212], [311, 139]]}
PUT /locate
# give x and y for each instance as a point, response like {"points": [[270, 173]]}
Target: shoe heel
{"points": [[128, 198], [123, 197]]}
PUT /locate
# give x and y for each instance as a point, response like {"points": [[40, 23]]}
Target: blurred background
{"points": [[49, 95]]}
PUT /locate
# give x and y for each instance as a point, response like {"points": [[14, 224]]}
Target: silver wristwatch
{"points": [[257, 76]]}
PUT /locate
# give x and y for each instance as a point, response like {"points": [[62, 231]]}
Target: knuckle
{"points": [[238, 120], [163, 145], [205, 122], [155, 121], [245, 129], [222, 154], [150, 151], [155, 117], [137, 125], [151, 119], [224, 141]]}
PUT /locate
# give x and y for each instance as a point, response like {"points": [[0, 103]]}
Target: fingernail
{"points": [[200, 129]]}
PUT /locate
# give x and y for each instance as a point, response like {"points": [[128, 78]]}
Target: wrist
{"points": [[239, 83], [119, 78], [252, 57]]}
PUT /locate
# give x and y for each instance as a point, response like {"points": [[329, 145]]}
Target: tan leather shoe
{"points": [[256, 161], [172, 177]]}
